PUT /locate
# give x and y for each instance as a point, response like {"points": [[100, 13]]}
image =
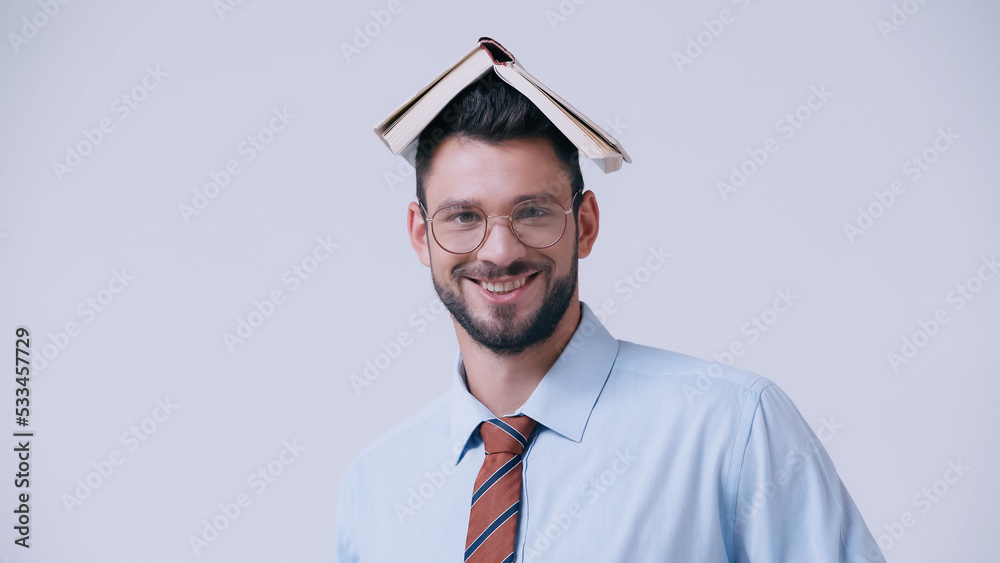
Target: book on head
{"points": [[400, 131]]}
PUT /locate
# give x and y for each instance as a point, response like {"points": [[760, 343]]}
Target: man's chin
{"points": [[500, 320], [510, 328], [500, 328]]}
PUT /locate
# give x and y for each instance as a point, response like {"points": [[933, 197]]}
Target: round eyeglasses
{"points": [[537, 223]]}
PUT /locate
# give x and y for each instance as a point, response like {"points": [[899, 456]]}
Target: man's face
{"points": [[542, 282]]}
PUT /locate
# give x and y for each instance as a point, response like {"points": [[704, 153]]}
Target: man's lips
{"points": [[503, 285]]}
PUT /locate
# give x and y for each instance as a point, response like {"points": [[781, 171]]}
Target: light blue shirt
{"points": [[641, 455]]}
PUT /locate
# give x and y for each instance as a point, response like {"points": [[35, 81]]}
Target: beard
{"points": [[501, 332]]}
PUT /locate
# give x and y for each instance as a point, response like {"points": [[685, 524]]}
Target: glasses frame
{"points": [[510, 222]]}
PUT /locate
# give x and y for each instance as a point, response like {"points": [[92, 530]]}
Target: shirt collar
{"points": [[564, 398]]}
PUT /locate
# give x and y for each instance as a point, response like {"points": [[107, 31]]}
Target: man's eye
{"points": [[464, 217], [530, 212]]}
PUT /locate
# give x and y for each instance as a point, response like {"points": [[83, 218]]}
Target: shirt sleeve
{"points": [[790, 502], [346, 549]]}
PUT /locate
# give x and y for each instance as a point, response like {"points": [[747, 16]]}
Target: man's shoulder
{"points": [[694, 375]]}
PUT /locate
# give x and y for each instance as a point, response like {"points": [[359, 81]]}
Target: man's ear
{"points": [[417, 227], [589, 223]]}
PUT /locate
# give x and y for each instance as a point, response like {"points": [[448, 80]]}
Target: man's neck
{"points": [[504, 382]]}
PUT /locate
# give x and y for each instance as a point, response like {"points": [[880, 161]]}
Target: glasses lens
{"points": [[459, 228], [539, 222]]}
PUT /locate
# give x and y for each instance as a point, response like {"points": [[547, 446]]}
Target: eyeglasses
{"points": [[537, 223]]}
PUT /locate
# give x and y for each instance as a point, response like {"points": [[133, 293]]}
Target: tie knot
{"points": [[508, 434]]}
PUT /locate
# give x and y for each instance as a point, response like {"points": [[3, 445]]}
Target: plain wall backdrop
{"points": [[173, 173]]}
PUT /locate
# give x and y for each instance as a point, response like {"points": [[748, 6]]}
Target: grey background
{"points": [[325, 175]]}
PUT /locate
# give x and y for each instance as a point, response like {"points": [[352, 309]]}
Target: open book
{"points": [[401, 130]]}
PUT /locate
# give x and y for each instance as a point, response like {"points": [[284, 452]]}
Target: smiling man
{"points": [[509, 275], [550, 451]]}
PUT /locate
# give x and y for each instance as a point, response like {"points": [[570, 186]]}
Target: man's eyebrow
{"points": [[475, 201], [453, 201], [539, 195]]}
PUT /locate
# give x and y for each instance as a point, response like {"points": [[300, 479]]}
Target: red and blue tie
{"points": [[496, 498]]}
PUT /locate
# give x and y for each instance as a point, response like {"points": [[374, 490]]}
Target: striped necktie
{"points": [[496, 498]]}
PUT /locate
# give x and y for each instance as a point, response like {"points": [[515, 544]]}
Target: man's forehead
{"points": [[473, 171]]}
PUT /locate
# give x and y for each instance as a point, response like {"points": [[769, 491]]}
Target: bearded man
{"points": [[559, 443]]}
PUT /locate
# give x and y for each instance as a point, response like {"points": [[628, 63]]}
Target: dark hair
{"points": [[492, 111]]}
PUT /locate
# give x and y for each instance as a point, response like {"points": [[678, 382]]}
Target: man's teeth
{"points": [[503, 287]]}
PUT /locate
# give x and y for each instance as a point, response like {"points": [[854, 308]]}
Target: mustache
{"points": [[491, 271]]}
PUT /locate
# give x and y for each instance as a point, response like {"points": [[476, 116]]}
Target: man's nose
{"points": [[501, 247]]}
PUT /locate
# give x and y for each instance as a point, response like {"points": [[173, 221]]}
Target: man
{"points": [[597, 449]]}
